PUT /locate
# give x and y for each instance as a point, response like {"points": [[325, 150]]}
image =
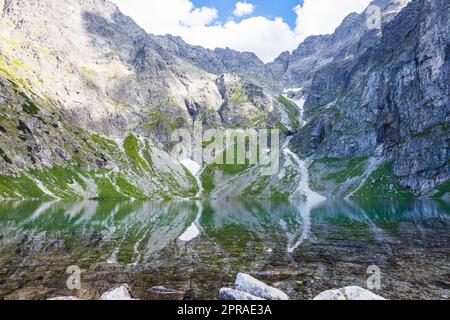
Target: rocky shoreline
{"points": [[247, 288]]}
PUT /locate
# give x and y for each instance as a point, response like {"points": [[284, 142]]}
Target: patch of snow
{"points": [[195, 169], [300, 103], [303, 187], [92, 189], [44, 189], [192, 166], [292, 90]]}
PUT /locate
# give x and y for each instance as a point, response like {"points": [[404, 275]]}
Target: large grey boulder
{"points": [[349, 293], [248, 284], [236, 295], [117, 294]]}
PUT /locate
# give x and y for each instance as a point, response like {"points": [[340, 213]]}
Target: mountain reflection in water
{"points": [[199, 246]]}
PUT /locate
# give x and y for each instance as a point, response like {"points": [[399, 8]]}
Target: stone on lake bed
{"points": [[236, 295], [252, 286], [163, 293], [348, 293], [119, 293]]}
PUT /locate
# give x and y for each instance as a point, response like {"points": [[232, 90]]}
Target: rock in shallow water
{"points": [[119, 293], [163, 293], [348, 293], [252, 286], [236, 295]]}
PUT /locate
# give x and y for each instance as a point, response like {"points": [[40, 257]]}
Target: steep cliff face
{"points": [[390, 103], [353, 37], [222, 61]]}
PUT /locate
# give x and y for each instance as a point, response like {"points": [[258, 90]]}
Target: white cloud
{"points": [[200, 17], [267, 38], [257, 34], [167, 16], [324, 16], [243, 9]]}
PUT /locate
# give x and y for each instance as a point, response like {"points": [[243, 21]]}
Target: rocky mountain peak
{"points": [[83, 87]]}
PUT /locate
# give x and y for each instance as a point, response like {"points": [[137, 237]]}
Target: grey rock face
{"points": [[222, 61], [352, 38], [393, 94], [245, 104]]}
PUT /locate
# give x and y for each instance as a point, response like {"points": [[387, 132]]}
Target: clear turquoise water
{"points": [[301, 248]]}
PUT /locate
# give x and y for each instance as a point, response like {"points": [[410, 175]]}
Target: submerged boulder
{"points": [[163, 293], [252, 286], [119, 293], [236, 295], [349, 293]]}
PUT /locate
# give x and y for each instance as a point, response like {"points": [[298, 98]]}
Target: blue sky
{"points": [[266, 8], [265, 27]]}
